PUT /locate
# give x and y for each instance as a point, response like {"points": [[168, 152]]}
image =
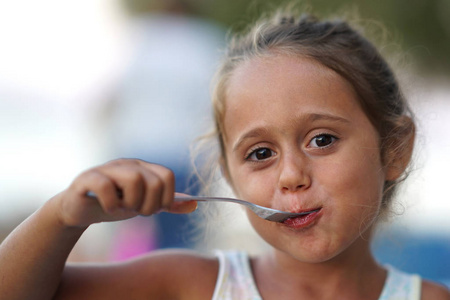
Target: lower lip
{"points": [[303, 221]]}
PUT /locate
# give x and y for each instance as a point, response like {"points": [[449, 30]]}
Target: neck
{"points": [[353, 273]]}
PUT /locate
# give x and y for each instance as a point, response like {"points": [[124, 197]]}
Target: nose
{"points": [[294, 173]]}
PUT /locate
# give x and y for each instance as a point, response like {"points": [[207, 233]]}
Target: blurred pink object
{"points": [[134, 237]]}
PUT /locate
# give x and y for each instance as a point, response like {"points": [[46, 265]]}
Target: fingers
{"points": [[130, 185], [183, 207], [101, 185], [146, 188], [123, 188]]}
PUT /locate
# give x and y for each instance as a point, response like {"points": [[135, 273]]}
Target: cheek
{"points": [[370, 174], [256, 187], [358, 183], [361, 175]]}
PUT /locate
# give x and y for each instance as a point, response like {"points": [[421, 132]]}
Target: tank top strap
{"points": [[235, 279], [401, 286]]}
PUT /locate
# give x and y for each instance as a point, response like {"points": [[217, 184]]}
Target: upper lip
{"points": [[308, 210], [298, 203]]}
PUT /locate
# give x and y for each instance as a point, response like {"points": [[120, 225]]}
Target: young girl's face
{"points": [[296, 139]]}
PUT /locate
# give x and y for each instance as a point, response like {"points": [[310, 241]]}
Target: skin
{"points": [[344, 178], [286, 99], [297, 139], [320, 152]]}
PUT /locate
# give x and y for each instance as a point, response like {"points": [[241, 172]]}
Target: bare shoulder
{"points": [[434, 291], [165, 274], [193, 272]]}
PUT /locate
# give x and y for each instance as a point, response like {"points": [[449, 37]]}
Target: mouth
{"points": [[305, 220]]}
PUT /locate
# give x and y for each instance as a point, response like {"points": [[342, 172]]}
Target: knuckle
{"points": [[168, 175], [103, 184], [134, 182], [87, 174], [134, 178], [153, 179], [156, 185], [120, 162]]}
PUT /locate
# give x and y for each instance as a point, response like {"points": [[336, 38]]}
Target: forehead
{"points": [[277, 86], [296, 73]]}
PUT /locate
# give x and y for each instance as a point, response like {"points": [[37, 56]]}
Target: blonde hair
{"points": [[341, 48]]}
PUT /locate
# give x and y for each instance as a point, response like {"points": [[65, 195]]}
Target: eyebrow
{"points": [[259, 131], [256, 132], [317, 117]]}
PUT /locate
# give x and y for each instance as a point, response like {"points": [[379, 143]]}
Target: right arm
{"points": [[33, 256]]}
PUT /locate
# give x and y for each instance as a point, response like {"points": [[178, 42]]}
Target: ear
{"points": [[399, 148]]}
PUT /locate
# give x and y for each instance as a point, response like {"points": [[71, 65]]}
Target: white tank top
{"points": [[235, 281]]}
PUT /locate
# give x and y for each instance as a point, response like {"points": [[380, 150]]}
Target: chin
{"points": [[314, 250]]}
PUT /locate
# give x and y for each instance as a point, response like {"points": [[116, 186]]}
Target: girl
{"points": [[309, 118]]}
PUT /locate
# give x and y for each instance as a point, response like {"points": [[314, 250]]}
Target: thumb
{"points": [[182, 207]]}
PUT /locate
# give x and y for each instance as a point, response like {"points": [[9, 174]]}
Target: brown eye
{"points": [[261, 154], [322, 141]]}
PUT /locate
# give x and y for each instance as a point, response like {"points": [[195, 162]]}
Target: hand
{"points": [[124, 188]]}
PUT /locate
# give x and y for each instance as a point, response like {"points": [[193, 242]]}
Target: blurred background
{"points": [[83, 82]]}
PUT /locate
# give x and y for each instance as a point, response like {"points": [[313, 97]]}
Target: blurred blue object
{"points": [[426, 255], [163, 104]]}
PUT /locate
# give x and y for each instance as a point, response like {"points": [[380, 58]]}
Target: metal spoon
{"points": [[266, 213]]}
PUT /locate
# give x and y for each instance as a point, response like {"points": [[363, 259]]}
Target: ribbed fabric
{"points": [[235, 281], [401, 286]]}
